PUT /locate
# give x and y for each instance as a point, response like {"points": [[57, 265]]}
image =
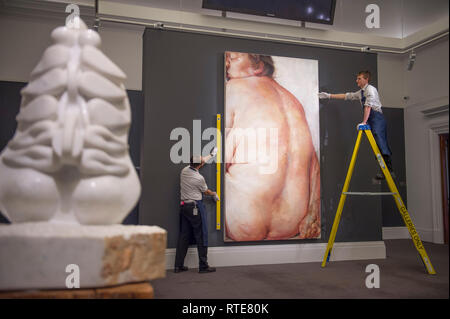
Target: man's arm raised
{"points": [[324, 95], [340, 96]]}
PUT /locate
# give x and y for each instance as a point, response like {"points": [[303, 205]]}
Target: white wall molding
{"points": [[435, 129], [429, 235], [395, 233], [427, 32], [426, 234], [280, 254], [427, 103], [435, 111]]}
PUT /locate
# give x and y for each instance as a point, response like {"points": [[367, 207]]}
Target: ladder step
{"points": [[369, 193]]}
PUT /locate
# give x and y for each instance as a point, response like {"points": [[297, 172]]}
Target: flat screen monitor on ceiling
{"points": [[316, 11]]}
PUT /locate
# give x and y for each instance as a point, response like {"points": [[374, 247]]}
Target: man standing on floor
{"points": [[193, 214], [373, 116]]}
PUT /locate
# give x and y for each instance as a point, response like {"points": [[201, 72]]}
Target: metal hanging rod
{"points": [[329, 44]]}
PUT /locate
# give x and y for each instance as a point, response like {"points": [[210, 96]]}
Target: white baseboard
{"points": [[426, 235], [429, 235], [280, 254], [395, 233]]}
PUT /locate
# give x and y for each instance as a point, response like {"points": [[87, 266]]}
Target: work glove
{"points": [[357, 126], [324, 95], [216, 197]]}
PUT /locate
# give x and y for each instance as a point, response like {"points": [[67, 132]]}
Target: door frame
{"points": [[436, 184]]}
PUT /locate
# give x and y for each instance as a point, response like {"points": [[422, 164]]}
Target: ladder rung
{"points": [[368, 193]]}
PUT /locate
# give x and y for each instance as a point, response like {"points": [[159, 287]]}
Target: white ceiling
{"points": [[398, 18]]}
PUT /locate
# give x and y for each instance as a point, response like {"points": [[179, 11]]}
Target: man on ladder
{"points": [[373, 121], [373, 116]]}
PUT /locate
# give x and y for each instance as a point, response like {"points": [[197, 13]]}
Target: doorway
{"points": [[443, 146]]}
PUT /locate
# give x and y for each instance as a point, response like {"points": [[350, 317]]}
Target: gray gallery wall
{"points": [[183, 81]]}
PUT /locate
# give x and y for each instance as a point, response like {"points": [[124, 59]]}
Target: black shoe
{"points": [[381, 177], [180, 269], [205, 270]]}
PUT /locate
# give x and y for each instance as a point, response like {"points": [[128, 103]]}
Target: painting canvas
{"points": [[272, 169]]}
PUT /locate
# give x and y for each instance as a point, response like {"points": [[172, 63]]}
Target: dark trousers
{"points": [[379, 130], [190, 224]]}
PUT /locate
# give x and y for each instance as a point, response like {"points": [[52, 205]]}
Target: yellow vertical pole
{"points": [[337, 218], [218, 168], [401, 206]]}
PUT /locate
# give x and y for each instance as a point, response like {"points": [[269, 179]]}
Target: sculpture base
{"points": [[59, 256]]}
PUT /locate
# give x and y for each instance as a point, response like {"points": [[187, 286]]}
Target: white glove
{"points": [[324, 95], [216, 198], [214, 152], [357, 126]]}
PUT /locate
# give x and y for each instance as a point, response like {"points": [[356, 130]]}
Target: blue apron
{"points": [[203, 215], [378, 127]]}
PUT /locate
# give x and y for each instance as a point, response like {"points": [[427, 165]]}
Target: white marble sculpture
{"points": [[68, 160], [66, 177]]}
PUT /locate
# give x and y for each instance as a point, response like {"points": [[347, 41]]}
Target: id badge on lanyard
{"points": [[195, 210]]}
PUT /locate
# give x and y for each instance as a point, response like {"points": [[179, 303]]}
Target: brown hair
{"points": [[365, 74], [266, 60]]}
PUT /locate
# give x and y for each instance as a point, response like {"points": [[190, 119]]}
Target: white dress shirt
{"points": [[371, 95]]}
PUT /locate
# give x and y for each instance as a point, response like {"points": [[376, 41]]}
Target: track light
{"points": [[412, 59]]}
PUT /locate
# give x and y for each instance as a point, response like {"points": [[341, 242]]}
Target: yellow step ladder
{"points": [[394, 192]]}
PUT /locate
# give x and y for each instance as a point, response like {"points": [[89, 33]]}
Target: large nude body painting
{"points": [[272, 172]]}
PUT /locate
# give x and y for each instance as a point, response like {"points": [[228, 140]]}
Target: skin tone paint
{"points": [[285, 203]]}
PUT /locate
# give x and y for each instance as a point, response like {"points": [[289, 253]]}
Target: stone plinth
{"points": [[43, 255]]}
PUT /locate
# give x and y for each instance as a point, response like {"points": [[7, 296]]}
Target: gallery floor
{"points": [[402, 275]]}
